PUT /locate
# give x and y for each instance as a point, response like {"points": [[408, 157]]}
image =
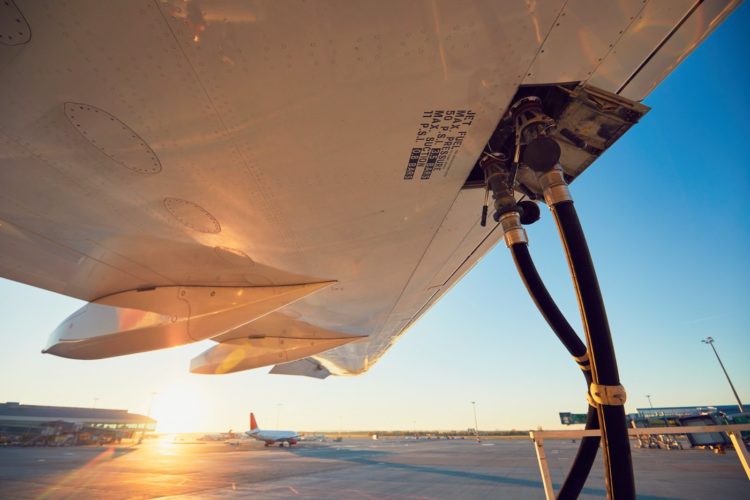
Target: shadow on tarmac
{"points": [[378, 458]]}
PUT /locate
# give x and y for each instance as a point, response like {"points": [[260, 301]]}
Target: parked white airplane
{"points": [[284, 438]]}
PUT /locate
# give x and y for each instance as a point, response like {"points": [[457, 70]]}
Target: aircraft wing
{"points": [[253, 172]]}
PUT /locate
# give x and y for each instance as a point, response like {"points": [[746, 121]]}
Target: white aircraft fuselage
{"points": [[271, 436]]}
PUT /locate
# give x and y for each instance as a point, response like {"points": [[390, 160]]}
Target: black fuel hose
{"points": [[589, 447], [616, 443], [544, 302], [584, 459]]}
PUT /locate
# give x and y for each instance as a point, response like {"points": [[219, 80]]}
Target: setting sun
{"points": [[181, 407]]}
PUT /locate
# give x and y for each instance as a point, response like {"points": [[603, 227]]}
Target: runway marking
{"points": [[293, 490]]}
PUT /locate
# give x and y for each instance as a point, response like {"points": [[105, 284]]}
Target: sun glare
{"points": [[180, 407]]}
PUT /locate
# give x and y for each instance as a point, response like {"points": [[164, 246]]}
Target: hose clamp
{"points": [[513, 231], [591, 401], [609, 395], [554, 186], [584, 363]]}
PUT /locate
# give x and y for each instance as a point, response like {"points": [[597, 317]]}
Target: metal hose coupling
{"points": [[554, 186], [513, 231]]}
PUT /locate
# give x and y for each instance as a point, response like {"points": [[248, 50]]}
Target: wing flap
{"points": [[308, 367], [246, 354], [139, 321]]}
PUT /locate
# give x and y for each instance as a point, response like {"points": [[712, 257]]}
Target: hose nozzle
{"points": [[554, 186], [513, 231], [499, 179]]}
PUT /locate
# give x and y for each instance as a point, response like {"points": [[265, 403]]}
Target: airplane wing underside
{"points": [[276, 151]]}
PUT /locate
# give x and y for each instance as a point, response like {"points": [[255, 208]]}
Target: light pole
{"points": [[476, 425], [150, 404], [95, 400], [148, 414], [710, 341], [649, 401]]}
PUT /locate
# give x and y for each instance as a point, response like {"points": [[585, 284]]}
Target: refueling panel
{"points": [[583, 120]]}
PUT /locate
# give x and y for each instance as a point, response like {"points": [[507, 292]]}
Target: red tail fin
{"points": [[253, 423]]}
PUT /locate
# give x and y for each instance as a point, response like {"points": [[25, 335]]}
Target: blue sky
{"points": [[665, 211]]}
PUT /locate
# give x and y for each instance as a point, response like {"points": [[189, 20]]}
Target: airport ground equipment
{"points": [[684, 416], [547, 135], [713, 439], [666, 441], [539, 437]]}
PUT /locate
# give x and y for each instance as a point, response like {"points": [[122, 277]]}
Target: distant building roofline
{"points": [[666, 410], [15, 410]]}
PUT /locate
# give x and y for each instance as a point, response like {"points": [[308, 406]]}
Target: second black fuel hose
{"points": [[586, 455]]}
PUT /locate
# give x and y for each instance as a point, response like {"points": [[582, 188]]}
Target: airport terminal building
{"points": [[689, 411], [33, 425]]}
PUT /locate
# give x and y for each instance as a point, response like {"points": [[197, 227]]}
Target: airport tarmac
{"points": [[356, 468]]}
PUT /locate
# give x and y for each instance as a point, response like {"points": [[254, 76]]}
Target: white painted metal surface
{"points": [[270, 340], [733, 430], [739, 446], [307, 367], [541, 457], [236, 144], [144, 320], [245, 354]]}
